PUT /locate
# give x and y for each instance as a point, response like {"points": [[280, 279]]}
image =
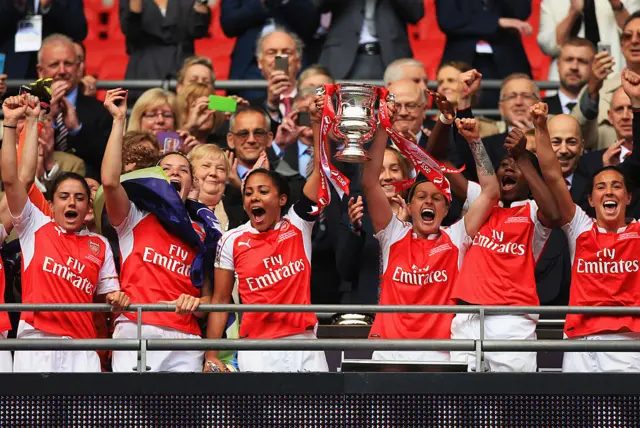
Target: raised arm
{"points": [[29, 156], [481, 208], [438, 142], [631, 85], [116, 198], [550, 165], [310, 188], [14, 109], [381, 213], [515, 144]]}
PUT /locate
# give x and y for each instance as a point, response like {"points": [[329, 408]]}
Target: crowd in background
{"points": [[591, 42]]}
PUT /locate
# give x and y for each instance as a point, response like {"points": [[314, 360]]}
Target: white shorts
{"points": [[496, 327], [421, 356], [6, 362], [284, 361], [157, 361], [594, 362], [52, 361]]}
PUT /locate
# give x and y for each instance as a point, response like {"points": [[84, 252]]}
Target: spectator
{"points": [[314, 77], [517, 94], [366, 36], [410, 110], [155, 111], [196, 69], [211, 169], [594, 20], [146, 243], [160, 34], [139, 150], [81, 123], [406, 69], [194, 115], [574, 68], [87, 83], [487, 36], [58, 17], [593, 107], [250, 139], [281, 85], [249, 20]]}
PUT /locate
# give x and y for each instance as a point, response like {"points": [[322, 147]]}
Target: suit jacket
{"points": [[555, 107], [158, 45], [391, 19], [70, 163], [90, 143], [245, 19], [65, 17], [466, 22], [598, 132]]}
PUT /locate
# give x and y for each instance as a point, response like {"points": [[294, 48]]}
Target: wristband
{"points": [[10, 127], [446, 121], [353, 228]]}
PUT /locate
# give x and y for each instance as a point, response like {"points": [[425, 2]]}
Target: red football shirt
{"points": [[62, 267], [5, 323], [605, 272], [156, 266], [499, 268], [272, 267], [418, 272]]}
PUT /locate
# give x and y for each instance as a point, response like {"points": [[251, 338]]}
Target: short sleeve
{"points": [[133, 218], [388, 236], [540, 232], [473, 193], [303, 215], [108, 276], [224, 252], [29, 221], [458, 234], [579, 224]]}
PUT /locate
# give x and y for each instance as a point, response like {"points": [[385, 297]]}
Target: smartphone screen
{"points": [[169, 141], [223, 104], [282, 63], [304, 118]]}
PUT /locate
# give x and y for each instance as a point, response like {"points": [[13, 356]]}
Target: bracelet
{"points": [[446, 121], [10, 127], [618, 8]]}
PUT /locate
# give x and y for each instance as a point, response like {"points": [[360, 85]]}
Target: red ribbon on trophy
{"points": [[421, 160], [328, 172]]}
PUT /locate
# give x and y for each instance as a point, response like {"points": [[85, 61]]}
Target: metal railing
{"points": [[142, 346]]}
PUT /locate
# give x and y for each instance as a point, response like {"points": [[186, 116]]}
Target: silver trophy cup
{"points": [[355, 121]]}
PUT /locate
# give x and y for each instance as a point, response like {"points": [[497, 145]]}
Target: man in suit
{"points": [[365, 36], [574, 68], [247, 20], [82, 124], [58, 16], [487, 35]]}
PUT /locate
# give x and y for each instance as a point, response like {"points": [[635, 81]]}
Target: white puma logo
{"points": [[246, 244]]}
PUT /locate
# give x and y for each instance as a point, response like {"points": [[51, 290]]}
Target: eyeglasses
{"points": [[629, 35], [529, 96], [411, 107], [258, 134], [154, 114]]}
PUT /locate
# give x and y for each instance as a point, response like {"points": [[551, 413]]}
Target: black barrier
{"points": [[326, 400]]}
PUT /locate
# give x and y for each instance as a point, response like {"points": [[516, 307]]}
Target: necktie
{"points": [[309, 168], [626, 155], [287, 105], [568, 183], [61, 137], [570, 106], [369, 16], [591, 31]]}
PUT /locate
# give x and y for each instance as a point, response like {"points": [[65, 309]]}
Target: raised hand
{"points": [[468, 85], [403, 214], [316, 107], [58, 90], [539, 114], [516, 143], [233, 177], [444, 105], [14, 109], [3, 85], [199, 113], [287, 133], [277, 83], [116, 103], [469, 129], [601, 68], [631, 86], [611, 156], [89, 83], [356, 212], [33, 106]]}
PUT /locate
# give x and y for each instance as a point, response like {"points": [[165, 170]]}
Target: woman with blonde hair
{"points": [[193, 114], [154, 111]]}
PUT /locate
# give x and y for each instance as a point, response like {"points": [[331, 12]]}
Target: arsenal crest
{"points": [[94, 247]]}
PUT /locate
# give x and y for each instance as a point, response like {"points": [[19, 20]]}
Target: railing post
{"points": [[479, 345], [142, 351]]}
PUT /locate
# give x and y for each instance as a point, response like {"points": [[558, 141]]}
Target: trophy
{"points": [[355, 120]]}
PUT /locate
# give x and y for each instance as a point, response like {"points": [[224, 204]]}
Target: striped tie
{"points": [[61, 137], [309, 168]]}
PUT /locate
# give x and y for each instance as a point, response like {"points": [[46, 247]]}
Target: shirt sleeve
{"points": [[27, 224], [473, 192], [224, 252], [133, 218], [303, 214], [540, 232], [458, 234], [579, 224], [391, 234], [40, 202], [108, 276]]}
